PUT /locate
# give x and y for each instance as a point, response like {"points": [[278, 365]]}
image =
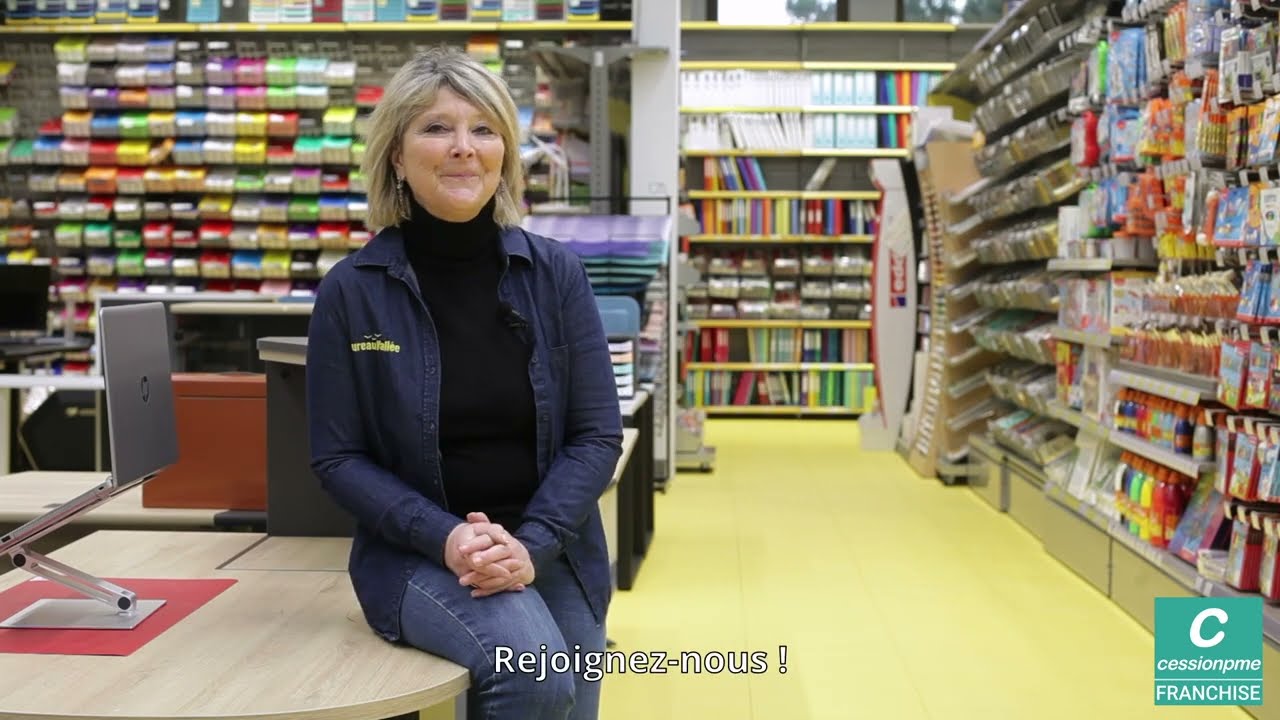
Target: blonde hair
{"points": [[412, 90]]}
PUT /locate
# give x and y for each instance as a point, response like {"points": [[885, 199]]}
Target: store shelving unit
{"points": [[1014, 84], [547, 27], [956, 397], [749, 297], [1132, 413], [228, 245]]}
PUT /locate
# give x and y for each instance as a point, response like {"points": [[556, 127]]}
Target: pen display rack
{"points": [[1018, 84], [1018, 289]]}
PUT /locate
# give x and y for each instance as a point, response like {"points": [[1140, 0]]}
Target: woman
{"points": [[462, 403]]}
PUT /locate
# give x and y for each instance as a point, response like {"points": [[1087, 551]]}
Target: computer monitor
{"points": [[135, 356], [24, 299]]}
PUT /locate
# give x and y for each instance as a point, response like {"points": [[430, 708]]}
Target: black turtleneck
{"points": [[488, 436]]}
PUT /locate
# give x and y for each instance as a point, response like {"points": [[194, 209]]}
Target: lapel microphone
{"points": [[514, 321]]}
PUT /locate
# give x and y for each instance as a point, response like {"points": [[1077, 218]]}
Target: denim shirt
{"points": [[373, 396]]}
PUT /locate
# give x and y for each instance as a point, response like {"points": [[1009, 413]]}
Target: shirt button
{"points": [[431, 426]]}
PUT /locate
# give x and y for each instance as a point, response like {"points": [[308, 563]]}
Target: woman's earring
{"points": [[402, 202]]}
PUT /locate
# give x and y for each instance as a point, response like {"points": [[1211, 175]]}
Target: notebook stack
{"points": [[622, 352], [622, 253]]}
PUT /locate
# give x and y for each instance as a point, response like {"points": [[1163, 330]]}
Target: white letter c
{"points": [[1197, 637]]}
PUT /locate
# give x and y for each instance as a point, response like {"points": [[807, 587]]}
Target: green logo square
{"points": [[1208, 651]]}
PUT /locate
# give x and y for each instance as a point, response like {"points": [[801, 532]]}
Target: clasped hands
{"points": [[487, 558]]}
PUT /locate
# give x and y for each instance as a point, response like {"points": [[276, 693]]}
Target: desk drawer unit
{"points": [[222, 444]]}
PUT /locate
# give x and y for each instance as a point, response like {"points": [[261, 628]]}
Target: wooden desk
{"points": [[311, 554], [27, 495], [284, 644]]}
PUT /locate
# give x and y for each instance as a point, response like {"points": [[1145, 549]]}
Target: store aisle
{"points": [[896, 597]]}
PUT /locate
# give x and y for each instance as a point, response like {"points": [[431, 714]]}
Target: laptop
{"points": [[136, 357]]}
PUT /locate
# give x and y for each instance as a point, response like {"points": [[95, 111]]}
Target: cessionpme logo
{"points": [[375, 343], [1208, 651]]}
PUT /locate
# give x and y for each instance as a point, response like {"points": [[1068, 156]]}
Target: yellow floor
{"points": [[896, 597]]}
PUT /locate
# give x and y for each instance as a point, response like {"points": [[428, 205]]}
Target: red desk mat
{"points": [[182, 597]]}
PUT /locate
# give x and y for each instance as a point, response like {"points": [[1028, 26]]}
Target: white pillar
{"points": [[654, 165]]}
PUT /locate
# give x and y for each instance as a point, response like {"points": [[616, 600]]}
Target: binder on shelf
{"points": [[518, 10], [422, 11], [453, 10], [549, 9], [486, 10], [583, 10], [389, 11], [109, 11], [326, 11]]}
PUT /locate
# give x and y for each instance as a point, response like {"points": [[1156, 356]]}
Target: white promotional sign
{"points": [[893, 309]]}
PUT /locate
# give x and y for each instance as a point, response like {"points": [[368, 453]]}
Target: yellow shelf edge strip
{"points": [[779, 410]]}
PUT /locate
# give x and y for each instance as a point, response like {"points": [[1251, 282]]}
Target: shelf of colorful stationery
{"points": [[780, 367], [822, 27], [784, 239], [1184, 464], [1176, 568], [1170, 384], [797, 65], [783, 194], [729, 323], [804, 110], [314, 27], [803, 152], [1077, 419]]}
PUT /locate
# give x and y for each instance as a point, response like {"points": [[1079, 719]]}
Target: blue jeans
{"points": [[488, 636]]}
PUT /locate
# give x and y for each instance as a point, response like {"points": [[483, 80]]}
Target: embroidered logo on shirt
{"points": [[375, 343]]}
